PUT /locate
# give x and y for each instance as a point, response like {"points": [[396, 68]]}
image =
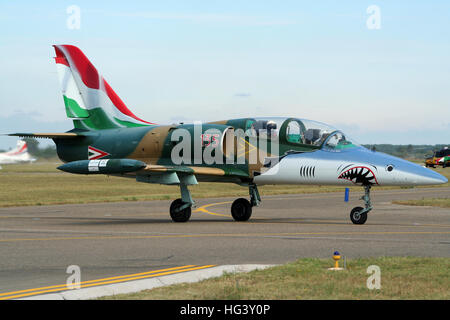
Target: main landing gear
{"points": [[180, 209], [358, 215], [241, 209]]}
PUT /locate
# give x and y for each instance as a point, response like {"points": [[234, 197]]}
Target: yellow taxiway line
{"points": [[203, 209], [98, 282], [227, 235]]}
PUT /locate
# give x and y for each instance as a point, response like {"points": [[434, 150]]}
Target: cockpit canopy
{"points": [[299, 131]]}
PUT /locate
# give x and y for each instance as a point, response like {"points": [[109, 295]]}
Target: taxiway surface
{"points": [[37, 244]]}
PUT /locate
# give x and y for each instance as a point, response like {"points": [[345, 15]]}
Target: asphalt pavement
{"points": [[38, 244]]}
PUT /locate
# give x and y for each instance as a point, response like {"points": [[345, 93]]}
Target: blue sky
{"points": [[213, 60]]}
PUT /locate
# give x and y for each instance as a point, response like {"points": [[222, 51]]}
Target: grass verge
{"points": [[432, 202], [401, 278], [42, 184]]}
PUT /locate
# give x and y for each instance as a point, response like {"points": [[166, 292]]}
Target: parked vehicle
{"points": [[441, 158]]}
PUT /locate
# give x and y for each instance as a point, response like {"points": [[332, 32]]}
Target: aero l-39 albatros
{"points": [[109, 139]]}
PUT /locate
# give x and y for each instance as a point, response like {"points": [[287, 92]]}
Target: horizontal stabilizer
{"points": [[64, 135]]}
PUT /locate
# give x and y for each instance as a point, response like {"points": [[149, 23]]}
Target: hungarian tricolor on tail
{"points": [[89, 100]]}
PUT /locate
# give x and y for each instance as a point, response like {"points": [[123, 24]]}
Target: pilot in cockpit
{"points": [[271, 127], [265, 128]]}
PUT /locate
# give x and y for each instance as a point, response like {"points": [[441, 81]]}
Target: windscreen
{"points": [[338, 141], [300, 131]]}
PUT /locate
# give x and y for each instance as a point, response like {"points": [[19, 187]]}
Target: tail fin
{"points": [[21, 148], [89, 100]]}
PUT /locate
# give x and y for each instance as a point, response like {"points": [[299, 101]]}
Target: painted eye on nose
{"points": [[389, 168]]}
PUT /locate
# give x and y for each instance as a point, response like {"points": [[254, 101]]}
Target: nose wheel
{"points": [[358, 215]]}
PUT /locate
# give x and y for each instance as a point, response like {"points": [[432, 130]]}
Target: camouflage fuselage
{"points": [[154, 145]]}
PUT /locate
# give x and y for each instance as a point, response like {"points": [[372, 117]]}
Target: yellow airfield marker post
{"points": [[336, 258]]}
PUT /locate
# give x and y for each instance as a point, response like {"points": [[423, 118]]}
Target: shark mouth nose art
{"points": [[359, 175]]}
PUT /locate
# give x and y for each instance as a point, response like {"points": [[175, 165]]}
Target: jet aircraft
{"points": [[108, 138], [17, 155]]}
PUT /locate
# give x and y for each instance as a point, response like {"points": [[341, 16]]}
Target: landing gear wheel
{"points": [[179, 215], [241, 209], [357, 217]]}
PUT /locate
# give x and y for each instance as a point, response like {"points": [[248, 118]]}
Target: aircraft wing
{"points": [[196, 170], [164, 174], [174, 174]]}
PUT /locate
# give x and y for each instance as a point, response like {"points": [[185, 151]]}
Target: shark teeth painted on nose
{"points": [[359, 175]]}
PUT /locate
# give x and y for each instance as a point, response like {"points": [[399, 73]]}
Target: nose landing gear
{"points": [[358, 215]]}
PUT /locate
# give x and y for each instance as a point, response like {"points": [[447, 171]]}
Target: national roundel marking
{"points": [[94, 153]]}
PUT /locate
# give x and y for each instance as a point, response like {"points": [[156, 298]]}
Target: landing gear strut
{"points": [[241, 209], [180, 209], [358, 215]]}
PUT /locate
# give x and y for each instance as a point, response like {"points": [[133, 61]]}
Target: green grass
{"points": [[401, 278], [433, 202], [42, 184]]}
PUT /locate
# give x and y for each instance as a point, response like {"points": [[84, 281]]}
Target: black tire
{"points": [[241, 209], [357, 217], [179, 216]]}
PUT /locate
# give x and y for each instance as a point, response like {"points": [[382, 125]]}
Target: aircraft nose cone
{"points": [[424, 176], [401, 172], [439, 178]]}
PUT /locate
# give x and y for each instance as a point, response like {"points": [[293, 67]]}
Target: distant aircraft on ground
{"points": [[445, 161], [17, 155], [441, 157], [109, 139]]}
